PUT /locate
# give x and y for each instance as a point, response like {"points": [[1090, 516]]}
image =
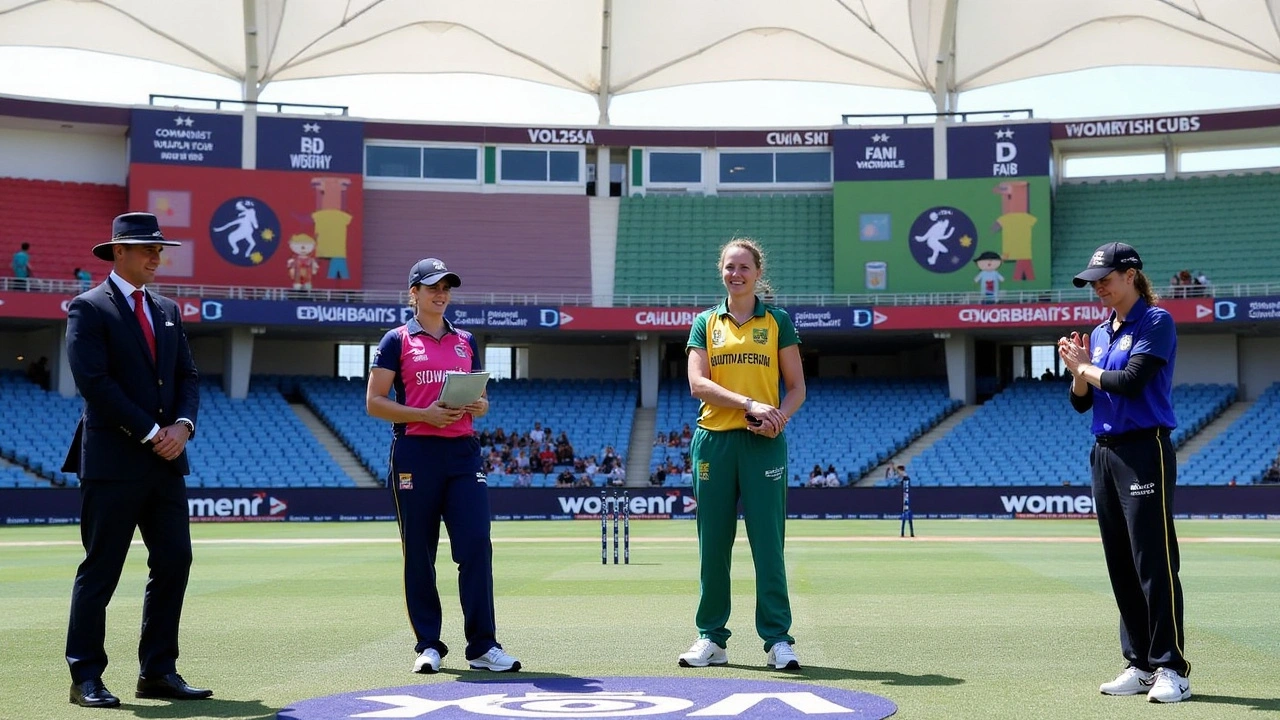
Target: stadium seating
{"points": [[687, 231], [594, 413], [39, 441], [1242, 452], [852, 424], [1030, 435], [72, 218], [1170, 222]]}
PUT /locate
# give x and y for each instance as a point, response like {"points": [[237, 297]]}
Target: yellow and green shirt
{"points": [[744, 358]]}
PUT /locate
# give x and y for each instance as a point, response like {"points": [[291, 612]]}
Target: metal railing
{"points": [[397, 297]]}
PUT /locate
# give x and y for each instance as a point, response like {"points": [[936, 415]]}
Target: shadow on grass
{"points": [[886, 677], [555, 682], [210, 708], [1272, 704]]}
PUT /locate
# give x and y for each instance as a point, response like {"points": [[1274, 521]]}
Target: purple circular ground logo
{"points": [[609, 697]]}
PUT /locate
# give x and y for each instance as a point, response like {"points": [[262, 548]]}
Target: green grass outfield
{"points": [[974, 619]]}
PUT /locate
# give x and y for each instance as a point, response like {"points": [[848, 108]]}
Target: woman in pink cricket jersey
{"points": [[436, 470]]}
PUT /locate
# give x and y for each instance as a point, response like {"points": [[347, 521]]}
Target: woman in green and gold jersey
{"points": [[738, 352]]}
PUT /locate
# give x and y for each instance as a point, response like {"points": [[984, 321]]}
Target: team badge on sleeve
{"points": [[460, 350]]}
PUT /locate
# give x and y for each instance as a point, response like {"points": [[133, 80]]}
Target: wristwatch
{"points": [[191, 427]]}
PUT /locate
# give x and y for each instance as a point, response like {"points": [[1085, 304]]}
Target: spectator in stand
{"points": [[564, 451], [1048, 375], [84, 278], [686, 436], [660, 440], [499, 436], [22, 267], [591, 467], [522, 461], [547, 457], [832, 478], [585, 480], [38, 373], [537, 435], [1272, 475], [608, 458], [618, 476], [815, 474], [524, 479], [579, 465], [565, 478], [1202, 284], [673, 440], [485, 438], [659, 477]]}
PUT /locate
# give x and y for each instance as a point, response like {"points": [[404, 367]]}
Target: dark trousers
{"points": [[435, 479], [109, 512], [1133, 483]]}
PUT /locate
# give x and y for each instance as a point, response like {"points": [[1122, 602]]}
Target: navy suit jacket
{"points": [[126, 393]]}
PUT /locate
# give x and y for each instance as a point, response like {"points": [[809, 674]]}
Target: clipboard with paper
{"points": [[462, 388]]}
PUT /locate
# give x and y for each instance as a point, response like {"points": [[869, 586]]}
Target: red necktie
{"points": [[141, 312]]}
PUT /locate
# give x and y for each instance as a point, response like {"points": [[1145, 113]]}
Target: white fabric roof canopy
{"points": [[609, 47]]}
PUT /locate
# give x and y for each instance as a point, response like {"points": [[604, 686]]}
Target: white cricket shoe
{"points": [[1131, 681], [704, 652], [428, 662], [495, 660], [782, 657], [1169, 687]]}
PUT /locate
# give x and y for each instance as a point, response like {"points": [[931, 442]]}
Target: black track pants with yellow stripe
{"points": [[1133, 484]]}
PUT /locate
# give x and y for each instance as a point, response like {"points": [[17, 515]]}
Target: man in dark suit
{"points": [[131, 362]]}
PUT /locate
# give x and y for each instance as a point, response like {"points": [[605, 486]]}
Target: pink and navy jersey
{"points": [[420, 363]]}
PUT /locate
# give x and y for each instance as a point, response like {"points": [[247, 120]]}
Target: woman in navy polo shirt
{"points": [[435, 470], [1124, 371]]}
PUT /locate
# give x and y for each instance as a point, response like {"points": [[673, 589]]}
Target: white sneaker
{"points": [[704, 652], [782, 657], [428, 662], [1169, 687], [1131, 681], [495, 660]]}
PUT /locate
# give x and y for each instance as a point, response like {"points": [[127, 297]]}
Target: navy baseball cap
{"points": [[1105, 260], [431, 271]]}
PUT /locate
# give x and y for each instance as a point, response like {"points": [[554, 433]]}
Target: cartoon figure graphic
{"points": [[242, 228], [303, 263], [933, 237], [331, 220], [1014, 224], [988, 279]]}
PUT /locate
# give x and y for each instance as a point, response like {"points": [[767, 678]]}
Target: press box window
{"points": [[796, 168], [450, 163], [393, 161], [677, 168], [540, 165]]}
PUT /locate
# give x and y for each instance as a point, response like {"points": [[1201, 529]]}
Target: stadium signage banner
{"points": [[1247, 309], [961, 317], [1167, 124], [317, 144], [824, 319], [52, 306], [644, 319], [883, 154], [295, 312], [24, 506], [602, 136], [178, 137], [1012, 150]]}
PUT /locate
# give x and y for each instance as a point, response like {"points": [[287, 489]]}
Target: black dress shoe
{"points": [[169, 685], [92, 693]]}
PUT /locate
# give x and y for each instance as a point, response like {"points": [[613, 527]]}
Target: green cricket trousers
{"points": [[729, 466]]}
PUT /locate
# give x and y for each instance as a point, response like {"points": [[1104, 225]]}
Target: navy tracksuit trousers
{"points": [[435, 479], [1133, 481]]}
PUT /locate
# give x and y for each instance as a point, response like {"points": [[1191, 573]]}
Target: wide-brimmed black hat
{"points": [[135, 228], [1105, 260], [431, 271]]}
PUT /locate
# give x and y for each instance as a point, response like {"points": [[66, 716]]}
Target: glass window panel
{"points": [[449, 163], [675, 167], [565, 165], [746, 167], [803, 167], [524, 165], [391, 161]]}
